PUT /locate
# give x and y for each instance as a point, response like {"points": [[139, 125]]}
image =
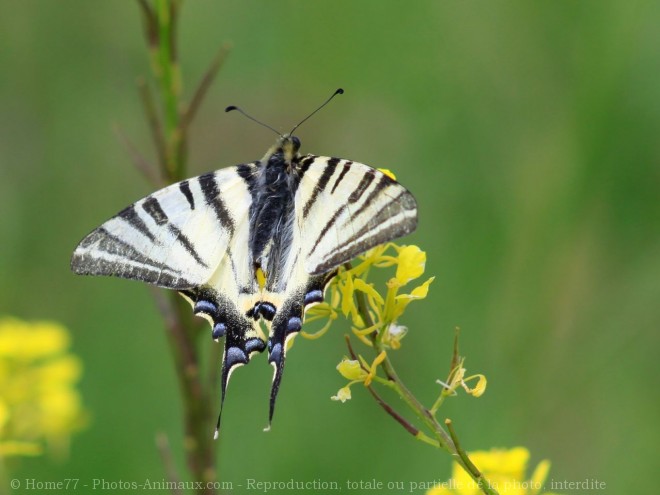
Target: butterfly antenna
{"points": [[338, 92], [232, 107]]}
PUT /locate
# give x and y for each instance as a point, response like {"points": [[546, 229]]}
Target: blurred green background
{"points": [[528, 132]]}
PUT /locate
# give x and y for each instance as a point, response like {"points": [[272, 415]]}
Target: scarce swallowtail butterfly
{"points": [[291, 218]]}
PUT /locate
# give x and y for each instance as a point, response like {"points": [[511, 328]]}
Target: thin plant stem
{"points": [[444, 439], [163, 445]]}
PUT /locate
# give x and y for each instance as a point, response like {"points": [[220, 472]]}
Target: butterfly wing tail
{"points": [[242, 340], [286, 323]]}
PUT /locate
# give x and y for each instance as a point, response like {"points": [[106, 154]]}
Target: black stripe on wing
{"points": [[343, 173], [209, 187], [152, 206], [367, 179], [184, 187], [321, 184], [122, 260], [133, 218], [187, 244]]}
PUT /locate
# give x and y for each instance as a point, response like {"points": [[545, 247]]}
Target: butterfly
{"points": [[257, 241]]}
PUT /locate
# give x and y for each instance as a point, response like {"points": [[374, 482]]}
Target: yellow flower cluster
{"points": [[504, 469], [382, 310], [357, 372], [38, 399]]}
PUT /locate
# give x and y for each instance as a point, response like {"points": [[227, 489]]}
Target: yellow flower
{"points": [[411, 263], [374, 368], [457, 379], [401, 301], [356, 371], [504, 469], [393, 335], [351, 370], [383, 308], [479, 388], [39, 402]]}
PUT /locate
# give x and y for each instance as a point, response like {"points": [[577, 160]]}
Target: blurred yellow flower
{"points": [[39, 402], [504, 469]]}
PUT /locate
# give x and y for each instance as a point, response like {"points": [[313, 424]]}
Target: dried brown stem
{"points": [[155, 126], [146, 168], [150, 23], [197, 440], [203, 87], [163, 446], [414, 431]]}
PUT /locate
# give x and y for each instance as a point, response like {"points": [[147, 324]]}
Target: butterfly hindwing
{"points": [[229, 320]]}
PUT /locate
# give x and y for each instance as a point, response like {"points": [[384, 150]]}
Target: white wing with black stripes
{"points": [[174, 238], [295, 219], [361, 207]]}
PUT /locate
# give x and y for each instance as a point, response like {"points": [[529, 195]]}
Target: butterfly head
{"points": [[289, 146], [285, 150]]}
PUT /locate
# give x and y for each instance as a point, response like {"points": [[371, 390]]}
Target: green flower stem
{"points": [[167, 72], [484, 484], [455, 358], [169, 124], [438, 402], [444, 440]]}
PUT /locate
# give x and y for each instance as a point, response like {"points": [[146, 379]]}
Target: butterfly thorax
{"points": [[272, 209]]}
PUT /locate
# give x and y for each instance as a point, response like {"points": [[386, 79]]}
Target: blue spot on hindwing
{"points": [[235, 356], [255, 345], [207, 307], [267, 310], [219, 330], [276, 354], [314, 296], [294, 325]]}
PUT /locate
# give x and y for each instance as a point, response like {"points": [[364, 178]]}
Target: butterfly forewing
{"points": [[174, 238], [345, 208]]}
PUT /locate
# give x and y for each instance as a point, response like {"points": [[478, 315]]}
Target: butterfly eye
{"points": [[296, 143]]}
